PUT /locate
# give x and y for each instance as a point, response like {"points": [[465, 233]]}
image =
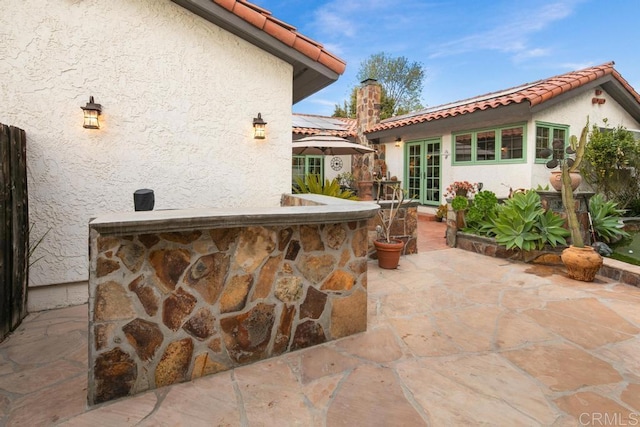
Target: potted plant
{"points": [[441, 213], [582, 262], [460, 204], [389, 249], [461, 188]]}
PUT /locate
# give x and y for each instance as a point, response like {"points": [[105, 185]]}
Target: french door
{"points": [[424, 171]]}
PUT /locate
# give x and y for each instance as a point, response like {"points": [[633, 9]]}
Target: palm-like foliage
{"points": [[605, 219], [314, 185]]}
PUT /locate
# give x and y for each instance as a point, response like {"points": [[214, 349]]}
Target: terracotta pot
{"points": [[388, 253], [582, 263], [556, 180]]}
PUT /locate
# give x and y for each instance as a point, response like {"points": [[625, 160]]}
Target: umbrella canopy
{"points": [[328, 145]]}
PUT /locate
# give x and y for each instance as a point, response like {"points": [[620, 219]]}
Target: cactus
{"points": [[569, 203], [578, 146]]}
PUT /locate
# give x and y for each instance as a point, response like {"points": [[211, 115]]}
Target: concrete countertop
{"points": [[323, 209]]}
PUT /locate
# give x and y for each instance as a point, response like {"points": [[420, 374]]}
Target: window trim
{"points": [[498, 146], [551, 127], [307, 158]]}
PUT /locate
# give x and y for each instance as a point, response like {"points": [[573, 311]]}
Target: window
{"points": [[499, 145], [553, 137], [512, 143], [486, 145], [463, 148], [302, 166]]}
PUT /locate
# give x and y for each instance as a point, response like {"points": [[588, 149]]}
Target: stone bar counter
{"points": [[178, 294]]}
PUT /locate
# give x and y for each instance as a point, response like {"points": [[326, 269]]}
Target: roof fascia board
{"points": [[506, 114], [622, 96]]}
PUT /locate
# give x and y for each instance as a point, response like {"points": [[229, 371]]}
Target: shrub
{"points": [[611, 158], [483, 206]]}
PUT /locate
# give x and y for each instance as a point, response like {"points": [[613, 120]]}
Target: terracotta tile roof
{"points": [[311, 124], [535, 93], [283, 32]]}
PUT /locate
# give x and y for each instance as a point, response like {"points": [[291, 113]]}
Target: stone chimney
{"points": [[368, 97]]}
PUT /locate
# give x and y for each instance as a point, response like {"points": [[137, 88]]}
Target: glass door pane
{"points": [[432, 173], [414, 171]]}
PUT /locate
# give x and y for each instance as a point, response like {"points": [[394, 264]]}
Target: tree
{"points": [[401, 83], [349, 109], [612, 164]]}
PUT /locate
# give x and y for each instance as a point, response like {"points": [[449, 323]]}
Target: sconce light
{"points": [[259, 127], [398, 141], [446, 154], [91, 113]]}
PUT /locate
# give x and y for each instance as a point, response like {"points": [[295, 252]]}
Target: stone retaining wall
{"points": [[405, 227], [168, 307]]}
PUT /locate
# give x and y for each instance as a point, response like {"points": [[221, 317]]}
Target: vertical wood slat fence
{"points": [[14, 228]]}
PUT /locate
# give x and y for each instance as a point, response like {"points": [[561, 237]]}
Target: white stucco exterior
{"points": [[572, 112], [178, 95]]}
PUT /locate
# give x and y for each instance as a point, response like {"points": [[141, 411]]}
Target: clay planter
{"points": [[388, 253], [582, 263], [556, 180]]}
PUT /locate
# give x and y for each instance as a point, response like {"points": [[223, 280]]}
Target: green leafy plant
{"points": [[551, 229], [314, 185], [459, 203], [522, 223], [611, 158], [605, 219], [483, 205]]}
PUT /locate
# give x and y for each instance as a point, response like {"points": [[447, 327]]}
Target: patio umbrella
{"points": [[329, 145]]}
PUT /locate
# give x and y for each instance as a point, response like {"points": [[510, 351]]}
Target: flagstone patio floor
{"points": [[453, 338]]}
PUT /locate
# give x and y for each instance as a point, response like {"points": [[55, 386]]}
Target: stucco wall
{"points": [[574, 112], [178, 95], [500, 177]]}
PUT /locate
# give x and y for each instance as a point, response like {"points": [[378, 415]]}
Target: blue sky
{"points": [[467, 47]]}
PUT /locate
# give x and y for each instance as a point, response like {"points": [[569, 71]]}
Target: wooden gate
{"points": [[14, 228]]}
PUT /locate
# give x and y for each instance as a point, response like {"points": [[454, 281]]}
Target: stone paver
{"points": [[453, 338]]}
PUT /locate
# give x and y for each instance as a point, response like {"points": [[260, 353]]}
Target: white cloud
{"points": [[511, 32], [531, 54]]}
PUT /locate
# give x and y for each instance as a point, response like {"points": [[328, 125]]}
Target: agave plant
{"points": [[522, 223], [314, 185], [605, 219]]}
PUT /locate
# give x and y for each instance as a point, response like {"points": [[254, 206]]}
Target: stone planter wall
{"points": [[405, 227], [170, 306]]}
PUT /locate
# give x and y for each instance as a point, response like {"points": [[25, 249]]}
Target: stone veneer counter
{"points": [[177, 294]]}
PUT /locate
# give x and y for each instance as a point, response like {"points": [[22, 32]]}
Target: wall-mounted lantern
{"points": [[398, 141], [259, 127], [91, 113]]}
